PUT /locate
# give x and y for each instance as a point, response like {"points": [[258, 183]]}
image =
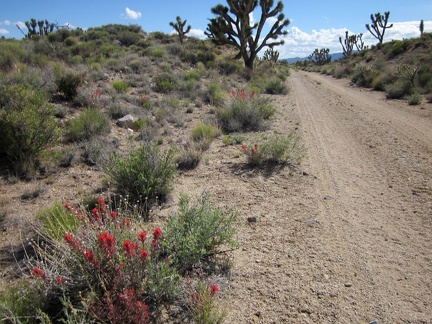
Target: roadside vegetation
{"points": [[110, 100], [400, 68]]}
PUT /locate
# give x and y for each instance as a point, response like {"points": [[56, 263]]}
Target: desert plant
{"points": [[120, 86], [233, 26], [276, 149], [144, 175], [414, 99], [204, 133], [57, 220], [271, 55], [27, 127], [197, 231], [348, 43], [188, 157], [379, 25], [214, 94], [202, 304], [421, 27], [179, 28], [165, 82], [399, 89], [246, 112], [275, 86], [320, 56], [89, 123], [68, 85]]}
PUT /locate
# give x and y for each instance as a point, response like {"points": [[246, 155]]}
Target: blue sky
{"points": [[314, 24]]}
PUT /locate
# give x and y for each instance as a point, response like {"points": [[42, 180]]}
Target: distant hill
{"points": [[335, 57]]}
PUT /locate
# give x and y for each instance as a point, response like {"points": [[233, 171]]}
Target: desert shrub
{"points": [[275, 86], [97, 150], [246, 112], [188, 157], [11, 52], [414, 99], [158, 52], [116, 110], [165, 82], [202, 305], [364, 76], [214, 94], [67, 85], [56, 221], [121, 86], [27, 127], [145, 173], [276, 149], [399, 89], [429, 98], [197, 231], [228, 66], [204, 133], [399, 46], [90, 122], [377, 83]]}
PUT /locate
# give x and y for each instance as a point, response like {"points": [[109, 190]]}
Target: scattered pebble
{"points": [[348, 284], [253, 219]]}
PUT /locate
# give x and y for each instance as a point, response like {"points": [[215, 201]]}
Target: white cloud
{"points": [[21, 24], [196, 33], [133, 14], [5, 22], [301, 44], [3, 31]]}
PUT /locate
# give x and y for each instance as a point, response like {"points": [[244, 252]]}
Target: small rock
{"points": [[348, 284], [373, 322], [129, 122], [253, 219]]}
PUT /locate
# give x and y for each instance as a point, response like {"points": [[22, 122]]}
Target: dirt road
{"points": [[348, 239]]}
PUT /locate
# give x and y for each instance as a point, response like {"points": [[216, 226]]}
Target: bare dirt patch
{"points": [[345, 238]]}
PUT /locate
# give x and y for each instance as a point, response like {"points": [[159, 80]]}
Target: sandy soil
{"points": [[344, 238]]}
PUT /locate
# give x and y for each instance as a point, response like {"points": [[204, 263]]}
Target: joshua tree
{"points": [[44, 28], [348, 43], [359, 44], [233, 26], [179, 27], [271, 55], [321, 57], [379, 25], [421, 27]]}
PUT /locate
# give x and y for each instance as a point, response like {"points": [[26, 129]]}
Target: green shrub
{"points": [[146, 173], [158, 52], [27, 127], [91, 122], [11, 52], [276, 149], [57, 220], [399, 89], [120, 86], [165, 83], [245, 114], [275, 86], [204, 133], [214, 95], [197, 231], [67, 85], [414, 99]]}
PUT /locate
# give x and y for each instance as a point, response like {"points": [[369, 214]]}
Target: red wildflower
{"points": [[144, 255], [244, 148], [157, 233], [39, 273], [96, 214], [60, 280], [213, 290], [125, 223], [90, 257], [129, 248], [102, 205], [142, 236], [107, 242], [73, 242], [113, 215]]}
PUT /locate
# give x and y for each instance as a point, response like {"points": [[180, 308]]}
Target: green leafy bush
{"points": [[91, 122], [197, 231], [144, 175], [214, 95], [27, 127], [275, 86], [67, 85]]}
